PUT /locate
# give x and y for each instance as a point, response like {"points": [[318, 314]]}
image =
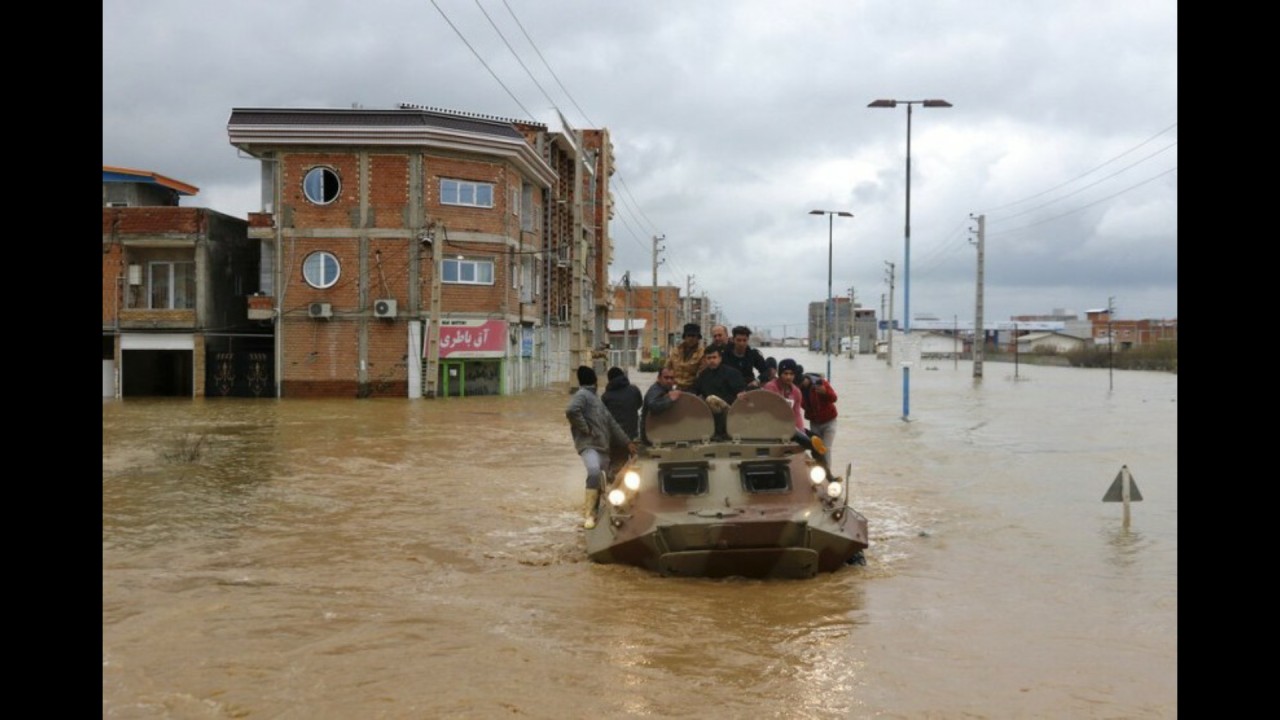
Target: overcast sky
{"points": [[731, 120]]}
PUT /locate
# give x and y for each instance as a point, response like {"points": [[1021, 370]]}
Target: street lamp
{"points": [[831, 218], [906, 272]]}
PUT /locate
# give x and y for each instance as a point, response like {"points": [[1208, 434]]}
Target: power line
{"points": [[1086, 187], [1088, 172], [546, 64], [482, 62], [634, 207], [1085, 207], [515, 54]]}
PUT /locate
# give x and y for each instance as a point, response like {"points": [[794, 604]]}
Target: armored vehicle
{"points": [[748, 501]]}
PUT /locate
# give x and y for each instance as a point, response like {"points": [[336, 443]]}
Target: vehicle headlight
{"points": [[835, 488], [632, 480], [617, 497], [817, 474]]}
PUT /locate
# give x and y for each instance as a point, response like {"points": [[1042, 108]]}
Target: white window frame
{"points": [[464, 267], [466, 193], [168, 270], [323, 170], [320, 256]]}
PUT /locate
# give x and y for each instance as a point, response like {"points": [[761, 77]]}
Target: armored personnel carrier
{"points": [[748, 502]]}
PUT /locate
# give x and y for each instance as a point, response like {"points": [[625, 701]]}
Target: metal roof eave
{"points": [[247, 137], [123, 174]]}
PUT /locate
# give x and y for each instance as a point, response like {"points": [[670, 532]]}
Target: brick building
{"points": [[1130, 333], [421, 252], [174, 281], [637, 301]]}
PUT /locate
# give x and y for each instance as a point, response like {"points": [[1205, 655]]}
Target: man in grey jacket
{"points": [[595, 432]]}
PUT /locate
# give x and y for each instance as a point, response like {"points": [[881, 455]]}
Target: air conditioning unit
{"points": [[384, 308], [320, 310]]}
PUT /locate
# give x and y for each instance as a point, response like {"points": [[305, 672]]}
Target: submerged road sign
{"points": [[1124, 489]]}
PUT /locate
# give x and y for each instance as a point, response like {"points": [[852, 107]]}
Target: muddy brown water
{"points": [[422, 558]]}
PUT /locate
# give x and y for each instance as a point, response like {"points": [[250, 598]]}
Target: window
{"points": [[526, 207], [683, 478], [321, 269], [321, 185], [765, 477], [172, 285], [463, 192], [468, 272], [267, 186]]}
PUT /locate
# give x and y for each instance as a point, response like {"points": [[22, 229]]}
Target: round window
{"points": [[321, 185], [321, 269]]}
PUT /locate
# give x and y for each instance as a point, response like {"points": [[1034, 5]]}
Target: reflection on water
{"points": [[396, 558], [1128, 546]]}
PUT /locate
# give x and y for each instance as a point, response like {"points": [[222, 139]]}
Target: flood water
{"points": [[315, 559]]}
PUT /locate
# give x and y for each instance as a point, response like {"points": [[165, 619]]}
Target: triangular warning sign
{"points": [[1116, 492]]}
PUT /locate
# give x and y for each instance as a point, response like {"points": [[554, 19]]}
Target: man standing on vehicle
{"points": [[820, 408], [686, 358], [784, 385], [746, 359], [719, 385], [720, 337]]}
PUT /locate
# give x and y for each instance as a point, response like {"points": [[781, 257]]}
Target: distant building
{"points": [[174, 283], [1129, 333], [847, 320], [662, 330], [1060, 343], [627, 347]]}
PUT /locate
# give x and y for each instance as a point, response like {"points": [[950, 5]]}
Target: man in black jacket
{"points": [[719, 385], [623, 400], [746, 359]]}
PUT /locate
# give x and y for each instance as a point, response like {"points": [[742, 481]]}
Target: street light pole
{"points": [[906, 270], [826, 332]]}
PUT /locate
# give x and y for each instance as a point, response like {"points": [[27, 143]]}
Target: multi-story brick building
{"points": [[663, 315], [421, 252], [174, 281], [1130, 333]]}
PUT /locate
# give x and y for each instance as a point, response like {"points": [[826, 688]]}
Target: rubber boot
{"points": [[589, 508]]}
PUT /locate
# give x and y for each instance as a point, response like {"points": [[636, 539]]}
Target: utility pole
{"points": [[654, 297], [979, 332], [626, 325], [1015, 351], [853, 312], [688, 298], [955, 342], [888, 356], [1111, 343], [881, 316]]}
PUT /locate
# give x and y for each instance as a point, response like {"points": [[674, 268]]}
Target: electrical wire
{"points": [[482, 62]]}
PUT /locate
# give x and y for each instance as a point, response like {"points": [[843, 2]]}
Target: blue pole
{"points": [[906, 271]]}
